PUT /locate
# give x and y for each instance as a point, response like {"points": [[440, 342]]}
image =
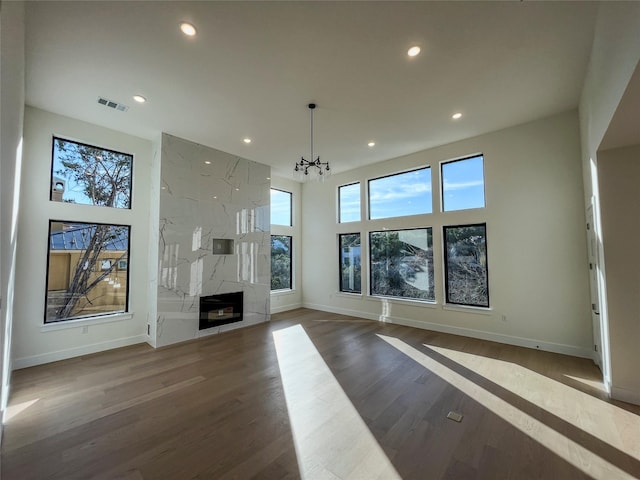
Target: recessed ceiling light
{"points": [[207, 162], [371, 144], [246, 140], [139, 98], [413, 51], [237, 189], [188, 29], [268, 178], [456, 116]]}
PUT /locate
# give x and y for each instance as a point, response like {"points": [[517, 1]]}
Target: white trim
{"points": [[282, 291], [33, 360], [468, 309], [410, 302], [285, 308], [572, 350], [82, 322], [625, 395]]}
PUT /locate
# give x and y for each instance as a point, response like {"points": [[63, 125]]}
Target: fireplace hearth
{"points": [[221, 309]]}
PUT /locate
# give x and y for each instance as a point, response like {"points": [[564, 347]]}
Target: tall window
{"points": [[281, 212], [88, 263], [349, 203], [88, 270], [466, 273], [350, 262], [90, 175], [281, 262], [401, 264], [402, 194], [463, 184]]}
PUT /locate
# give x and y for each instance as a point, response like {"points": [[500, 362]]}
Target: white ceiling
{"points": [[254, 66]]}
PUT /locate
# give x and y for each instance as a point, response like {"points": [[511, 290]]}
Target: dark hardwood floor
{"points": [[318, 396]]}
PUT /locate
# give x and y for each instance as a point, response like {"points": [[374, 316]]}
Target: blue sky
{"points": [[72, 191], [463, 184], [403, 194], [350, 203], [280, 207]]}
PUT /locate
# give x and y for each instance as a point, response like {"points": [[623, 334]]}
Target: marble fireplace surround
{"points": [[207, 196]]}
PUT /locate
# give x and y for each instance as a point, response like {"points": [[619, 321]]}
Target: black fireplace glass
{"points": [[221, 309]]}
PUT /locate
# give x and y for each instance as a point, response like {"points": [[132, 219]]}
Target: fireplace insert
{"points": [[221, 309]]}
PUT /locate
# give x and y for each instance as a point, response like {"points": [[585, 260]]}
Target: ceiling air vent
{"points": [[111, 104]]}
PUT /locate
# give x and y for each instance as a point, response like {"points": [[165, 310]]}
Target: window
{"points": [[87, 270], [90, 175], [401, 264], [281, 262], [463, 184], [281, 208], [465, 266], [402, 194], [349, 203], [350, 259]]}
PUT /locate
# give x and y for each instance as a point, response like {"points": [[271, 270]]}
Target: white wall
{"points": [[288, 300], [34, 343], [538, 276], [619, 173], [12, 112], [614, 57]]}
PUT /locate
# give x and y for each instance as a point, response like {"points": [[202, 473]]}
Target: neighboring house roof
{"points": [[77, 237]]}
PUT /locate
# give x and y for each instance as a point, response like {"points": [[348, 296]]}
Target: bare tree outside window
{"points": [[466, 272], [90, 175], [281, 262], [401, 264], [350, 263], [87, 270], [87, 175]]}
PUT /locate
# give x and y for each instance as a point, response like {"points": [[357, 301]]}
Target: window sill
{"points": [[349, 294], [278, 293], [403, 301], [85, 322], [468, 309]]}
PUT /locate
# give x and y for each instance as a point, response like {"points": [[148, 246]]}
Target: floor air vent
{"points": [[111, 104]]}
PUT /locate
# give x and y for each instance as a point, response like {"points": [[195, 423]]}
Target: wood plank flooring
{"points": [[316, 395]]}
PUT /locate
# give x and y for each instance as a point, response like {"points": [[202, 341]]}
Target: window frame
{"points": [[403, 172], [359, 202], [54, 138], [340, 266], [105, 315], [290, 207], [431, 301], [446, 266], [291, 282], [462, 159]]}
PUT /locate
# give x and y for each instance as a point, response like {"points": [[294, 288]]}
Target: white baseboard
{"points": [[40, 359], [625, 395], [285, 308], [465, 332]]}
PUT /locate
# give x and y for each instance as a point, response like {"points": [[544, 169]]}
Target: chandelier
{"points": [[314, 168]]}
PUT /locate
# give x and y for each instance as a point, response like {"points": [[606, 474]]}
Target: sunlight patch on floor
{"points": [[13, 411], [331, 439], [572, 452], [607, 422]]}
